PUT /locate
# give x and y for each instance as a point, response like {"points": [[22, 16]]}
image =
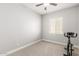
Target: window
{"points": [[56, 25]]}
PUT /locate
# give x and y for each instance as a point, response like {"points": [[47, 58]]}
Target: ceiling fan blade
{"points": [[39, 4], [54, 4]]}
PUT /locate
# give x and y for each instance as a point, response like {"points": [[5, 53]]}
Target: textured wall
{"points": [[70, 24], [18, 26]]}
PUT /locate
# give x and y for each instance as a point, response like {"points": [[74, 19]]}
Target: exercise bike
{"points": [[69, 48]]}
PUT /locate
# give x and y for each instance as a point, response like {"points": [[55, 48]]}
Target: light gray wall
{"points": [[70, 24], [18, 26]]}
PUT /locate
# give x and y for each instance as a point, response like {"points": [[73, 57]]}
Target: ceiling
{"points": [[50, 8]]}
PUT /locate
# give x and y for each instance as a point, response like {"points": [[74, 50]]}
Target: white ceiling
{"points": [[50, 8]]}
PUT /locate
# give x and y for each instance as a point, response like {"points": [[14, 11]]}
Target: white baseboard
{"points": [[17, 49], [54, 42], [2, 54], [76, 46], [59, 43]]}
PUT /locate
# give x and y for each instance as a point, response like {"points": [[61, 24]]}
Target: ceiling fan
{"points": [[54, 4], [46, 4]]}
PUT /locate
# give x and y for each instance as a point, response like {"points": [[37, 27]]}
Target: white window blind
{"points": [[56, 25]]}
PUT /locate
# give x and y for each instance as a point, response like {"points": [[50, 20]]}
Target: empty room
{"points": [[39, 29]]}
